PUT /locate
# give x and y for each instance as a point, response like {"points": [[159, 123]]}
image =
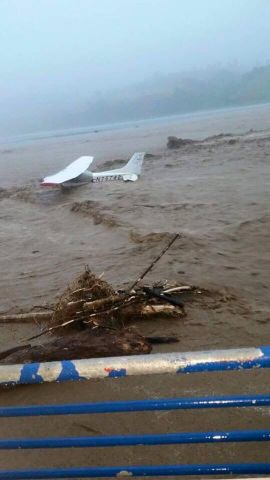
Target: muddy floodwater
{"points": [[214, 192]]}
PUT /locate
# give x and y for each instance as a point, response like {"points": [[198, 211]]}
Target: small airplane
{"points": [[77, 174]]}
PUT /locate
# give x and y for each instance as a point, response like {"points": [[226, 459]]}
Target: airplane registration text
{"points": [[108, 178]]}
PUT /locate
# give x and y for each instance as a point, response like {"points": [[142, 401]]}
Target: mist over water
{"points": [[72, 64]]}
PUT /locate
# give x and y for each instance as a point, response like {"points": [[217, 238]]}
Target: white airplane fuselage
{"points": [[109, 176], [76, 174]]}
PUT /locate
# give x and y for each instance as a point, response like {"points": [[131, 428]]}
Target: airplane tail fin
{"points": [[128, 173], [134, 165]]}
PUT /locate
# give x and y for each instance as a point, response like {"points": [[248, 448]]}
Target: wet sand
{"points": [[215, 193]]}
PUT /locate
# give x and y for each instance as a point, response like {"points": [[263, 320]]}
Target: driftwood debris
{"points": [[84, 344], [27, 317], [91, 319], [159, 293]]}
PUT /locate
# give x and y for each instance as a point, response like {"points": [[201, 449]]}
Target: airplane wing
{"points": [[72, 171]]}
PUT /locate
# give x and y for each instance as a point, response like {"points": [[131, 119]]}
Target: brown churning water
{"points": [[216, 195]]}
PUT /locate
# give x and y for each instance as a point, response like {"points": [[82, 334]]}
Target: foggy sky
{"points": [[61, 52]]}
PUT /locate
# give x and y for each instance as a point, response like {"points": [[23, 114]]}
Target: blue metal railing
{"points": [[128, 440], [208, 361], [115, 367], [231, 401], [139, 471]]}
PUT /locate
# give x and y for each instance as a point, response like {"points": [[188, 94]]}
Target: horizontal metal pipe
{"points": [[146, 471], [128, 440], [115, 367], [139, 405]]}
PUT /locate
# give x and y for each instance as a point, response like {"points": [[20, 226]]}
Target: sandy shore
{"points": [[215, 193]]}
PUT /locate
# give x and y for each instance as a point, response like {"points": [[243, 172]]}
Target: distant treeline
{"points": [[182, 94]]}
